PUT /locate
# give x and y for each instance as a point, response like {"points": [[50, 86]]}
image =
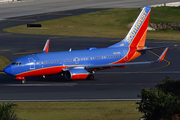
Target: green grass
{"points": [[106, 23], [115, 110], [165, 15], [3, 62]]}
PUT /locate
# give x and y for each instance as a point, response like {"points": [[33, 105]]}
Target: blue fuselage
{"points": [[91, 56]]}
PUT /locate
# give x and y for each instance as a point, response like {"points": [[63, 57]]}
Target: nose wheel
{"points": [[23, 81]]}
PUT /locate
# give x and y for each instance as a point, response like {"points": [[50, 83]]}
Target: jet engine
{"points": [[73, 74]]}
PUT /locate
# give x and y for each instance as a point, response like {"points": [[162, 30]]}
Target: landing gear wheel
{"points": [[90, 77], [23, 81]]}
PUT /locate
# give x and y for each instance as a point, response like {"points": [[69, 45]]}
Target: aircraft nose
{"points": [[8, 70]]}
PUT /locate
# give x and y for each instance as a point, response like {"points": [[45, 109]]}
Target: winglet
{"points": [[161, 58], [46, 47]]}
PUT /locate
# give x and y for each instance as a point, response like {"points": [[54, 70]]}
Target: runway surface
{"points": [[44, 6], [111, 84]]}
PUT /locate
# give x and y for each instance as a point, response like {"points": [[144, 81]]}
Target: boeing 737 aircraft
{"points": [[81, 64]]}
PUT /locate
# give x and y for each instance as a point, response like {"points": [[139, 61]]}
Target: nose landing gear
{"points": [[23, 80]]}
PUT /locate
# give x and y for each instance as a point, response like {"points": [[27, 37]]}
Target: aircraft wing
{"points": [[90, 67], [129, 63]]}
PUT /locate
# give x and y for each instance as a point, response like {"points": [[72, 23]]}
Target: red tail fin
{"points": [[137, 34]]}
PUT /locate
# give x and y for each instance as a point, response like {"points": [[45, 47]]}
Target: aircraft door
{"points": [[126, 55], [32, 63], [76, 60]]}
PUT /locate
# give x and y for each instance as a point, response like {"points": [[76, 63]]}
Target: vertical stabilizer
{"points": [[137, 34]]}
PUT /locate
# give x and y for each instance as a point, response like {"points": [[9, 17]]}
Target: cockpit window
{"points": [[16, 63]]}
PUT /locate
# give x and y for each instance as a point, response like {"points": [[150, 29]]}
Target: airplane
{"points": [[81, 64]]}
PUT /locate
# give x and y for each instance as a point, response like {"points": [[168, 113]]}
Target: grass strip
{"points": [[3, 62], [113, 110], [111, 23]]}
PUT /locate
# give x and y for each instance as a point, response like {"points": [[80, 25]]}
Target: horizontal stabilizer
{"points": [[151, 48], [46, 47]]}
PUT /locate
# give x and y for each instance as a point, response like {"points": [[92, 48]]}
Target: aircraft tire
{"points": [[23, 81], [90, 77]]}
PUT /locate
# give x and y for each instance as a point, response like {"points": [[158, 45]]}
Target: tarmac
{"points": [[110, 84]]}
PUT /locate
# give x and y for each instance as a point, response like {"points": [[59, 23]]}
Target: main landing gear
{"points": [[90, 77]]}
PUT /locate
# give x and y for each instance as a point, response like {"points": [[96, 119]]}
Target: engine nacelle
{"points": [[73, 74]]}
